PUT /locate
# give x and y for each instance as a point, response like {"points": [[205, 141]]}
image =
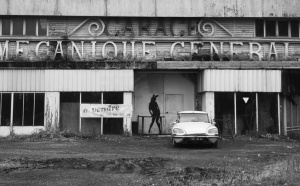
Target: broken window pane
{"points": [[42, 27], [270, 28], [113, 97], [6, 27], [91, 97], [17, 26], [39, 109], [113, 126], [295, 28], [30, 27], [283, 27], [5, 109], [28, 109], [18, 109], [91, 126], [259, 28]]}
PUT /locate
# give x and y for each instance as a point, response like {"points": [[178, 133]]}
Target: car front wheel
{"points": [[215, 145]]}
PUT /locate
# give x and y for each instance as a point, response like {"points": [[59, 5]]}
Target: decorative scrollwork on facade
{"points": [[92, 31], [207, 28]]}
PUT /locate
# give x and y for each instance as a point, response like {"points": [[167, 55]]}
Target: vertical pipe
{"points": [[80, 111], [23, 96], [11, 113], [33, 108], [284, 116], [101, 132], [278, 113], [0, 109], [256, 96], [24, 27], [37, 27], [235, 116], [11, 27], [0, 27]]}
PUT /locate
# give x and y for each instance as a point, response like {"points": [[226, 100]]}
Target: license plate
{"points": [[196, 139]]}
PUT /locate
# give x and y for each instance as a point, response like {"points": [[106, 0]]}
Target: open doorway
{"points": [[246, 112], [224, 112]]}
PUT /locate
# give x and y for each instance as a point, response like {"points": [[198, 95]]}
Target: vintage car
{"points": [[194, 127]]}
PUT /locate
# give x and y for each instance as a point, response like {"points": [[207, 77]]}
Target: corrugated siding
{"points": [[153, 8], [66, 80], [239, 81]]}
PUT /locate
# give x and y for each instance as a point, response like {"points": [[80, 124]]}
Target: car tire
{"points": [[215, 145], [175, 144]]}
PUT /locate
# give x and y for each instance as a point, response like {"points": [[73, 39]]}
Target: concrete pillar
{"points": [[208, 104], [127, 120], [52, 103]]}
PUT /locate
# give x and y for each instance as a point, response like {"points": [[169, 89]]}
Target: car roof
{"points": [[192, 112]]}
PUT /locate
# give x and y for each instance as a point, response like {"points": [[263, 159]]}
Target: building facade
{"points": [[93, 66]]}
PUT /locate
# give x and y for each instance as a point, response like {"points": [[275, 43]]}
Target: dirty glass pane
{"points": [[39, 109], [259, 28], [5, 109], [246, 113], [267, 113], [295, 28], [17, 26], [28, 109], [283, 27], [69, 111], [42, 27], [18, 109], [91, 126], [224, 113], [270, 28], [113, 97], [113, 126], [91, 97], [5, 26], [30, 27]]}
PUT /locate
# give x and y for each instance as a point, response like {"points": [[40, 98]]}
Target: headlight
{"points": [[178, 131], [213, 131]]}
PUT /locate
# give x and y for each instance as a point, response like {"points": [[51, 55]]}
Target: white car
{"points": [[194, 127]]}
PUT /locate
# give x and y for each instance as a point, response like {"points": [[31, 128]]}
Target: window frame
{"points": [[277, 28], [37, 31]]}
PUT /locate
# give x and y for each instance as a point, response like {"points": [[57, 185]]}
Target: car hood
{"points": [[193, 127]]}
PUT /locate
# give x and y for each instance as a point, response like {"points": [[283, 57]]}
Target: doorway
{"points": [[174, 103]]}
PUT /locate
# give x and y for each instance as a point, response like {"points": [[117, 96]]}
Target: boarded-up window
{"points": [[30, 27], [295, 28], [18, 26], [270, 28], [6, 26], [283, 28], [259, 28]]}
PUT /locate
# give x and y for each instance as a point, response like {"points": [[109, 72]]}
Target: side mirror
{"points": [[213, 122]]}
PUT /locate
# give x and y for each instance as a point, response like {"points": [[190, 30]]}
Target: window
{"points": [[28, 109], [276, 28], [21, 27]]}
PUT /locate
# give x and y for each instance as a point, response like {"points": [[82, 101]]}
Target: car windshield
{"points": [[194, 117]]}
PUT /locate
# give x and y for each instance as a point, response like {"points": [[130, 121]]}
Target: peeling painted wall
{"points": [[153, 8], [52, 110]]}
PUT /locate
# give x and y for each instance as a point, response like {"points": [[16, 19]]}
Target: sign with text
{"points": [[105, 110]]}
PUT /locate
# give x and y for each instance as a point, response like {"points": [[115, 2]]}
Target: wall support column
{"points": [[127, 120], [284, 116], [278, 113], [52, 102], [208, 104]]}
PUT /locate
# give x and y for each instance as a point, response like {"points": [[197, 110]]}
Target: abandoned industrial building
{"points": [[93, 66]]}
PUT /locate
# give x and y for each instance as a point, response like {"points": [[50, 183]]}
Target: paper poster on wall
{"points": [[105, 110]]}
